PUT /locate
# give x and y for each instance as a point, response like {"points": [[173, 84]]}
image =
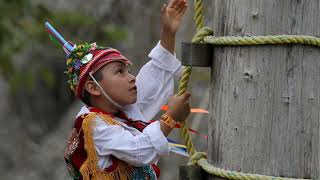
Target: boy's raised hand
{"points": [[171, 15]]}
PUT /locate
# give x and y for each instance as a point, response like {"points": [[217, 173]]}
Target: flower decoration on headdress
{"points": [[78, 57]]}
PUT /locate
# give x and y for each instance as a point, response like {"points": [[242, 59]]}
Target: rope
{"points": [[185, 79], [198, 16], [200, 159], [205, 35], [262, 40]]}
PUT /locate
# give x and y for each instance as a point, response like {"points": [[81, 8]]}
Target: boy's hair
{"points": [[86, 95]]}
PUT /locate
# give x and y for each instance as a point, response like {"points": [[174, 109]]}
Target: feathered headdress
{"points": [[82, 59]]}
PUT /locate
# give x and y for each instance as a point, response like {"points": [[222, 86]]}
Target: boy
{"points": [[111, 136]]}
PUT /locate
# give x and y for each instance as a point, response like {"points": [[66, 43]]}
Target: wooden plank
{"points": [[265, 100]]}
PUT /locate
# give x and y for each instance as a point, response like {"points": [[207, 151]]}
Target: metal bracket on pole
{"points": [[196, 54]]}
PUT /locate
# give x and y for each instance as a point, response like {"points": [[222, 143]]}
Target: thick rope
{"points": [[185, 79], [205, 35], [200, 159], [262, 40], [198, 16]]}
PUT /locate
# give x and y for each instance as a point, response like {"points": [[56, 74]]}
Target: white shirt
{"points": [[155, 84]]}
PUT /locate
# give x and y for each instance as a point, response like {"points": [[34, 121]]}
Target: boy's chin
{"points": [[134, 100]]}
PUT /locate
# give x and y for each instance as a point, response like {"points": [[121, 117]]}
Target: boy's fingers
{"points": [[172, 97], [163, 8], [179, 9], [186, 96], [183, 10], [179, 5], [173, 3], [183, 6]]}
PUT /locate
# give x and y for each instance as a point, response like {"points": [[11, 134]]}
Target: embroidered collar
{"points": [[120, 114], [139, 125], [98, 110]]}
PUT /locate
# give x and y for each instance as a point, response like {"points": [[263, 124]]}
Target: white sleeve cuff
{"points": [[164, 59], [158, 140]]}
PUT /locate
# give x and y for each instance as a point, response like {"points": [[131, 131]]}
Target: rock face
{"points": [[34, 127]]}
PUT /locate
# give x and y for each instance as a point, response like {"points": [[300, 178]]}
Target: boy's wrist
{"points": [[167, 40], [168, 33]]}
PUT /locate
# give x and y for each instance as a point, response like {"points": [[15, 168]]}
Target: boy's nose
{"points": [[132, 78]]}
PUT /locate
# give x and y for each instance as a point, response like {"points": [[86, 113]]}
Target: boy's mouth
{"points": [[134, 88]]}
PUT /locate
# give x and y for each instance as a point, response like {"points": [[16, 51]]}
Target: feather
{"points": [[56, 37], [56, 42]]}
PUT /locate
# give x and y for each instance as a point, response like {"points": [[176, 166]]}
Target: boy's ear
{"points": [[92, 88]]}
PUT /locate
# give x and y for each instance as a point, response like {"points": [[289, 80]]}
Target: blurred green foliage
{"points": [[22, 32]]}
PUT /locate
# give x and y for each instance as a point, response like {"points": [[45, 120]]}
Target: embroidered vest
{"points": [[82, 160]]}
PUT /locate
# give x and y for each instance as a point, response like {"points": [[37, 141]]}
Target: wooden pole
{"points": [[265, 102]]}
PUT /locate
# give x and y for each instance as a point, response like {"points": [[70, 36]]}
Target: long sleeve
{"points": [[155, 81], [130, 145]]}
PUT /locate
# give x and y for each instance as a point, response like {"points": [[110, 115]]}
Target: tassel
{"points": [[89, 168]]}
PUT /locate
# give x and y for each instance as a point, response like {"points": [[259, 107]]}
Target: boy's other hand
{"points": [[179, 107], [171, 15]]}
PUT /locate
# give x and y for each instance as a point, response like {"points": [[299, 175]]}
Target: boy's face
{"points": [[119, 83]]}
